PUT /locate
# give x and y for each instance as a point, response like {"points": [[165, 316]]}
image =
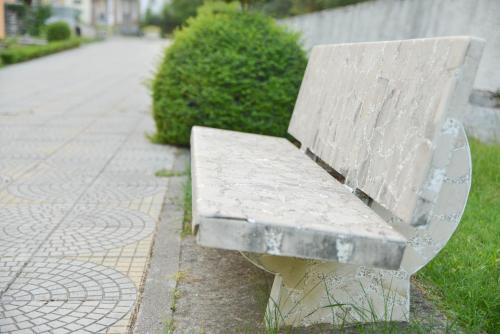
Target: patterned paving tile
{"points": [[10, 267], [116, 192], [59, 192], [142, 158], [24, 227], [89, 228], [58, 293], [89, 151], [10, 169], [28, 150], [47, 172], [47, 135], [79, 200]]}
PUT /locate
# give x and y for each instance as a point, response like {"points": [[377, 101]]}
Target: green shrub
{"points": [[227, 69], [58, 31], [17, 54]]}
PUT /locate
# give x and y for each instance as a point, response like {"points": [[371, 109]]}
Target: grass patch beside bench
{"points": [[20, 53], [188, 207], [464, 277]]}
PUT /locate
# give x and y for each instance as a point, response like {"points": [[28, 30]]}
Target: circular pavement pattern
{"points": [[9, 267], [123, 186], [53, 192], [22, 228], [75, 296], [51, 172], [90, 229]]}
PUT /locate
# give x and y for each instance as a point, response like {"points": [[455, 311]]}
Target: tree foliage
{"points": [[176, 13]]}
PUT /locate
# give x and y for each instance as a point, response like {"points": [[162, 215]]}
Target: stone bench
{"points": [[375, 190]]}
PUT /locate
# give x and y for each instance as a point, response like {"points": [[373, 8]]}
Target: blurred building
{"points": [[2, 20], [10, 22], [91, 16], [74, 12], [109, 16], [118, 16]]}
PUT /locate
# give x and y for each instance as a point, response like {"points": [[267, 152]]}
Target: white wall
{"points": [[403, 19]]}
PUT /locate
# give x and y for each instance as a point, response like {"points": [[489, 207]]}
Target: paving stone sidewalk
{"points": [[79, 201]]}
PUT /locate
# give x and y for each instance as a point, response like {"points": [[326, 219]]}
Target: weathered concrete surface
{"points": [[261, 194], [78, 197], [383, 20], [394, 19], [386, 116], [155, 311], [374, 111]]}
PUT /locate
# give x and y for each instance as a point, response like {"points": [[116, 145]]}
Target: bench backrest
{"points": [[387, 116]]}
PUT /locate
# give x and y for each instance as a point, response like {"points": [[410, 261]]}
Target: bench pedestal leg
{"points": [[309, 292]]}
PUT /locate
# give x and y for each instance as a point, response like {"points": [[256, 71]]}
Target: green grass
{"points": [[169, 327], [188, 210], [372, 321], [168, 173], [413, 327], [464, 278], [186, 229], [186, 221]]}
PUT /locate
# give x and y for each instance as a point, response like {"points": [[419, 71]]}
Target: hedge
{"points": [[19, 54], [227, 69]]}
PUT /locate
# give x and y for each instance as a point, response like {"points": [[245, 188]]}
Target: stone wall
{"points": [[402, 19]]}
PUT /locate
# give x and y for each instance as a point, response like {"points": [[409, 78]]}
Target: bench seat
{"points": [[260, 194]]}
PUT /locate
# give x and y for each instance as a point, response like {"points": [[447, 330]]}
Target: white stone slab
{"points": [[373, 111], [261, 194]]}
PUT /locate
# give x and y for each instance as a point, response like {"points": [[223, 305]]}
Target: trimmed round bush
{"points": [[227, 69], [58, 31]]}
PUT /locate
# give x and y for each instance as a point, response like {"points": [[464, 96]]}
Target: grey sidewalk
{"points": [[79, 201]]}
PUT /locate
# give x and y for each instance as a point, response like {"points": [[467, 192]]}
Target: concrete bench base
{"points": [[307, 292]]}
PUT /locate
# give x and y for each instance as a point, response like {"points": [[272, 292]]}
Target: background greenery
{"points": [[227, 69], [284, 8], [17, 54], [32, 18], [173, 15], [32, 22], [177, 12], [58, 31]]}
